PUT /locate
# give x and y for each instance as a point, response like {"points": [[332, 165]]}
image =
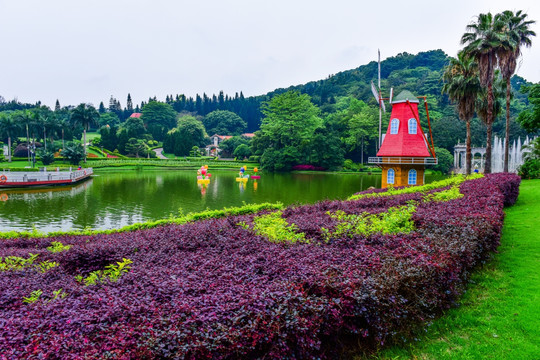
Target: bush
{"points": [[349, 165], [236, 287], [445, 161], [73, 153], [47, 157], [530, 169], [254, 158]]}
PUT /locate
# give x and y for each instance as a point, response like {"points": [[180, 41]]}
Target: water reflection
{"points": [[116, 199]]}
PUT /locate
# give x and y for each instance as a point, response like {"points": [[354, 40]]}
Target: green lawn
{"points": [[91, 136], [499, 316]]}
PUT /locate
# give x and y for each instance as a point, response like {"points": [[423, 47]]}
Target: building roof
{"points": [[404, 144], [136, 115], [403, 96], [225, 137], [222, 137]]}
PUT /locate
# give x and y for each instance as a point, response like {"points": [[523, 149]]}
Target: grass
{"points": [[499, 315], [91, 136]]}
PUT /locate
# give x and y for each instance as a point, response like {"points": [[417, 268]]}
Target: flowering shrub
{"points": [[215, 289]]}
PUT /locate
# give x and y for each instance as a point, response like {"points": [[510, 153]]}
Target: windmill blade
{"points": [[391, 95], [377, 94]]}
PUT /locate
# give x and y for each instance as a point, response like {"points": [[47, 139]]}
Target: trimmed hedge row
{"points": [[214, 289]]}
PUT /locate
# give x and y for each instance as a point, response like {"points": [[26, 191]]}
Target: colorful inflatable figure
{"points": [[202, 177], [241, 176]]}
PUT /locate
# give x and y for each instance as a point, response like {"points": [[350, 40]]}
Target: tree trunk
{"points": [[84, 139], [507, 135], [28, 143], [9, 148], [489, 125], [468, 156]]}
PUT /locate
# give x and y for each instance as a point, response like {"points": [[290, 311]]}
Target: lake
{"points": [[113, 199]]}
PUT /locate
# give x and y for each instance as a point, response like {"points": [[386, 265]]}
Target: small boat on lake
{"points": [[16, 179]]}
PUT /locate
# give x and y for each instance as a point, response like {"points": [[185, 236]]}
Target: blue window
{"points": [[412, 177], [394, 126], [390, 176], [412, 126]]}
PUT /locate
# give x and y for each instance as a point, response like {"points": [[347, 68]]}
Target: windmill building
{"points": [[405, 150]]}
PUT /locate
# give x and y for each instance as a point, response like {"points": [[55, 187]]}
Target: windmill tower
{"points": [[405, 150]]}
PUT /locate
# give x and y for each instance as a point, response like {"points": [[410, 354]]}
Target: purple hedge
{"points": [[213, 290]]}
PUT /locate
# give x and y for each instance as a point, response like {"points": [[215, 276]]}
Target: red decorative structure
{"points": [[405, 150]]}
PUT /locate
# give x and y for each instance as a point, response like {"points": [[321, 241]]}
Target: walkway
{"points": [[159, 153]]}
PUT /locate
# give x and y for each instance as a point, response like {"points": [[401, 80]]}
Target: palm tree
{"points": [[86, 115], [497, 104], [483, 41], [463, 87], [8, 126], [517, 34], [26, 118]]}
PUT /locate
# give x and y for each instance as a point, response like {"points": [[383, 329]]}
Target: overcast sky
{"points": [[85, 51]]}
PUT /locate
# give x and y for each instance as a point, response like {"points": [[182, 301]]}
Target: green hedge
{"points": [[182, 219]]}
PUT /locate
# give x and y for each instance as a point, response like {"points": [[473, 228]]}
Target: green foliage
{"points": [[46, 265], [276, 229], [190, 132], [182, 219], [57, 246], [134, 127], [445, 195], [16, 262], [73, 153], [109, 138], [454, 180], [112, 273], [349, 165], [158, 113], [228, 146], [223, 122], [359, 121], [242, 151], [58, 294], [47, 157], [108, 118], [136, 147], [286, 134], [445, 160], [530, 169], [85, 115], [394, 221], [34, 297]]}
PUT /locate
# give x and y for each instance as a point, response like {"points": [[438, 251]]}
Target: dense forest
{"points": [[336, 97]]}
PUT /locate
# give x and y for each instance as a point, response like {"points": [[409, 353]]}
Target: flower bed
{"points": [[219, 288]]}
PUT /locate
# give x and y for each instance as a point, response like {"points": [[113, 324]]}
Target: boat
{"points": [[17, 179]]}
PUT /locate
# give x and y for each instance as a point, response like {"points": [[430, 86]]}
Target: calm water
{"points": [[115, 199]]}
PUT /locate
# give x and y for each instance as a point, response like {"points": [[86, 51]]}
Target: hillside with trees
{"points": [[348, 113]]}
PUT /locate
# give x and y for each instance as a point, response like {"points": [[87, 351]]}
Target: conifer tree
{"points": [[57, 105], [129, 103]]}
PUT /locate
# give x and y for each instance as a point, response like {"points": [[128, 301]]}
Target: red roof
{"points": [[136, 115], [248, 134], [403, 143]]}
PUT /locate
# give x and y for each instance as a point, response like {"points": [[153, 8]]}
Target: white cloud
{"points": [[86, 51]]}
